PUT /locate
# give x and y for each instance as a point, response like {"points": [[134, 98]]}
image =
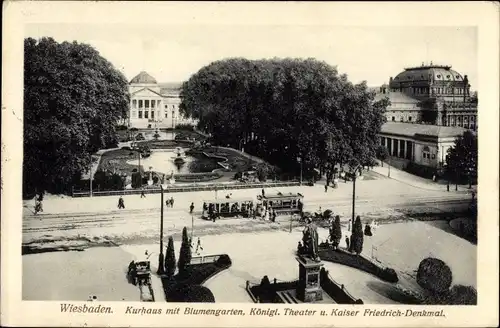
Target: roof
{"points": [[412, 130], [396, 97], [170, 85], [143, 78], [428, 74]]}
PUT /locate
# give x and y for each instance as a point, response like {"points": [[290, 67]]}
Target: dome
{"points": [[143, 78], [428, 74]]}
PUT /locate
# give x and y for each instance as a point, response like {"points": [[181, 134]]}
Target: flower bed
{"points": [[195, 274], [358, 262]]}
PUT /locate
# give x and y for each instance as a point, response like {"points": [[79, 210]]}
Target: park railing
{"points": [[187, 188]]}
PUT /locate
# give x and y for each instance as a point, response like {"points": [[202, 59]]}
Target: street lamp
{"points": [[161, 268], [354, 191], [299, 159]]}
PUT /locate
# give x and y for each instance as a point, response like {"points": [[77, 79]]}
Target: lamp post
{"points": [[161, 268], [354, 192], [192, 226], [299, 159]]}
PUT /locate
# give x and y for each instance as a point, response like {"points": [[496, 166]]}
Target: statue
{"points": [[310, 240]]}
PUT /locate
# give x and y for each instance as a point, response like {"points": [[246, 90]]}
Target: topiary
{"points": [[170, 258], [356, 245], [336, 232], [185, 253], [434, 275]]}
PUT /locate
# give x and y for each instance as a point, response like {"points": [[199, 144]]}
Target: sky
{"points": [[172, 53]]}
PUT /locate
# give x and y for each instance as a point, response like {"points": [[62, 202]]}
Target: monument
{"points": [[309, 287]]}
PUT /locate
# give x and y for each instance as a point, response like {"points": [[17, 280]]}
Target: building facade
{"points": [[153, 104], [431, 94], [421, 144]]}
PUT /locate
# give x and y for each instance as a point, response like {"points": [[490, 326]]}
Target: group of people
{"points": [[38, 203]]}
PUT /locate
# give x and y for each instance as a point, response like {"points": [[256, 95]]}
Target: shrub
{"points": [[121, 128], [126, 148], [136, 180], [389, 275], [356, 245], [462, 295], [170, 258], [186, 127], [237, 176], [368, 230], [185, 253], [336, 232], [327, 214], [191, 293], [265, 282], [434, 275]]}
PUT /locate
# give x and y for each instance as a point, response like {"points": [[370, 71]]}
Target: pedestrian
{"points": [[274, 215], [167, 203], [347, 242], [434, 178], [473, 193], [121, 203], [143, 195], [198, 246], [171, 201], [326, 187], [263, 193], [191, 208]]}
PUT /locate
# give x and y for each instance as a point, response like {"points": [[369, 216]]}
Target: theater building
{"points": [[154, 104], [420, 144], [431, 94]]}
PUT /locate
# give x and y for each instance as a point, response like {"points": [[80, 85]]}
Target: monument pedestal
{"points": [[309, 287]]}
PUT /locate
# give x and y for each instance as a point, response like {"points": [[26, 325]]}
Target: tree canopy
{"points": [[73, 100], [285, 109], [463, 156]]}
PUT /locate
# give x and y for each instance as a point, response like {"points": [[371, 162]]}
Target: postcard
{"points": [[250, 164]]}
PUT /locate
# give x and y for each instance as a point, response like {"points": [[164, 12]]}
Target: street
{"points": [[78, 223]]}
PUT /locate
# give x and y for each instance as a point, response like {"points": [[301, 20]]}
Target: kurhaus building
{"points": [[430, 94], [154, 104]]}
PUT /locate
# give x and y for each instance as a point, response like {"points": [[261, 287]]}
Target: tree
{"points": [[73, 101], [286, 109], [463, 156], [434, 275], [170, 258], [356, 245], [336, 232], [185, 253], [382, 153]]}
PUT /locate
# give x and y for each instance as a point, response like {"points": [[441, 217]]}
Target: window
{"points": [[166, 106], [393, 119], [153, 103], [426, 152], [447, 76], [140, 103], [140, 113], [146, 104], [152, 114], [134, 103], [438, 76], [146, 113], [458, 76], [134, 114], [166, 114], [409, 119]]}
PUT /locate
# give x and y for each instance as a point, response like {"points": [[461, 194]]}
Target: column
{"points": [[406, 150]]}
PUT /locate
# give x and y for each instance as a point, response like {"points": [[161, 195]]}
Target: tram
{"points": [[227, 207], [283, 203]]}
